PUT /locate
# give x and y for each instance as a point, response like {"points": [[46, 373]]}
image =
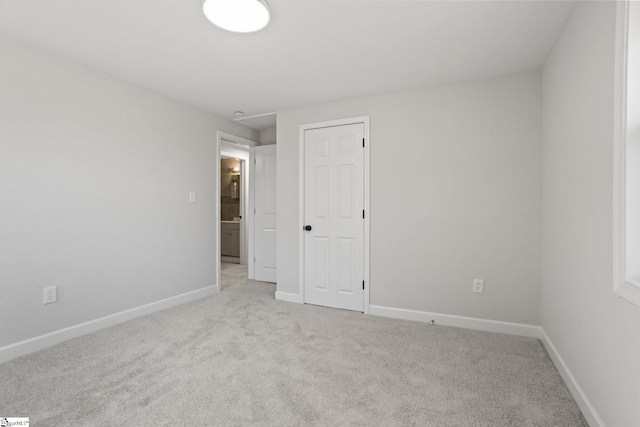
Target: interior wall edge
{"points": [[588, 410], [486, 325], [22, 348]]}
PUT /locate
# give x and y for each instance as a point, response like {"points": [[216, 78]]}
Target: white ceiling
{"points": [[312, 51]]}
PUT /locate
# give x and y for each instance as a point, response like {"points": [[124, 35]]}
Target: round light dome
{"points": [[239, 16]]}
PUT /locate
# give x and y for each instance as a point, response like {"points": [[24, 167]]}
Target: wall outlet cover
{"points": [[50, 294], [478, 286]]}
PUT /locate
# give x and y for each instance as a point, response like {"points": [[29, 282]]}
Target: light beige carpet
{"points": [[241, 358]]}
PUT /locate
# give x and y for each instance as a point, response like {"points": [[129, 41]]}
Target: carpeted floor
{"points": [[241, 358]]}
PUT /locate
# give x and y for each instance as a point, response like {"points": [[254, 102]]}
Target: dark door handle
{"points": [[308, 228]]}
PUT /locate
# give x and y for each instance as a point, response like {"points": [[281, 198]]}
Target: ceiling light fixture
{"points": [[239, 16]]}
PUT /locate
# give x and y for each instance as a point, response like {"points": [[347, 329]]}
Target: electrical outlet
{"points": [[478, 286], [50, 294]]}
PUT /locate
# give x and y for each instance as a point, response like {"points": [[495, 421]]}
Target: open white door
{"points": [[334, 216], [265, 213]]}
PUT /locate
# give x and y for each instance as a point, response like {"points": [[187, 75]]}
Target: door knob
{"points": [[308, 228]]}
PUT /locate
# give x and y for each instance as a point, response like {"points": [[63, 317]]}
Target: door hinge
{"points": [[363, 214], [363, 285], [362, 142]]}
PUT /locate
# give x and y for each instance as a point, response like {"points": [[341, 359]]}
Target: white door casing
{"points": [[265, 250], [334, 216]]}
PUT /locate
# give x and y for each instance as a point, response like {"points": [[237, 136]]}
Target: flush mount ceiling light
{"points": [[239, 16]]}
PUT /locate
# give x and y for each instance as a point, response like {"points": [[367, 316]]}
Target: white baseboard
{"points": [[41, 342], [457, 321], [288, 297], [578, 394]]}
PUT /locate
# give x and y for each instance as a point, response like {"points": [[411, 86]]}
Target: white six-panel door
{"points": [[333, 210], [265, 213]]}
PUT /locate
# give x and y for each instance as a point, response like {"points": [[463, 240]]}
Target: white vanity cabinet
{"points": [[230, 238]]}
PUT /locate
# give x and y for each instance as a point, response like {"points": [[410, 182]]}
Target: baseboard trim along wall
{"points": [[578, 394], [457, 321], [289, 297], [41, 342]]}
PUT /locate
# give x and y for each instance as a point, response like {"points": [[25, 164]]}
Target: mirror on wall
{"points": [[235, 186]]}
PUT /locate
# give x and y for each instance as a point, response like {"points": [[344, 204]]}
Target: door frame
{"points": [[246, 236], [301, 184]]}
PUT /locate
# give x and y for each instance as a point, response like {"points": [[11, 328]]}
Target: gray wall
{"points": [[95, 177], [268, 137], [461, 201], [594, 330]]}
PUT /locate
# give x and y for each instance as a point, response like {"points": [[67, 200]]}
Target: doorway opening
{"points": [[231, 209], [234, 217]]}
